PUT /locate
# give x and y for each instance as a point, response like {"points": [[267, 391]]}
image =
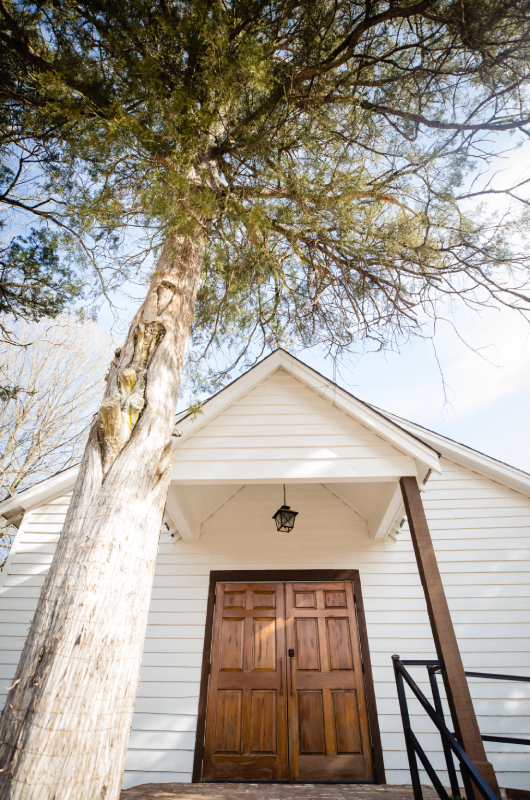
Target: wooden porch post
{"points": [[456, 687]]}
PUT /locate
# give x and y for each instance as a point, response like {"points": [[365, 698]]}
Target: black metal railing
{"points": [[449, 743]]}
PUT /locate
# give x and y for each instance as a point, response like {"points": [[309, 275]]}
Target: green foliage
{"points": [[8, 393], [195, 410], [33, 283], [326, 151]]}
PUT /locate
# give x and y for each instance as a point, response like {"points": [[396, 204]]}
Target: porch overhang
{"points": [[242, 438]]}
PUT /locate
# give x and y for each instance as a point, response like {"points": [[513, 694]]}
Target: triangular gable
{"points": [[282, 421], [283, 430]]}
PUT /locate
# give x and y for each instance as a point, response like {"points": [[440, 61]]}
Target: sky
{"points": [[483, 399], [486, 400]]}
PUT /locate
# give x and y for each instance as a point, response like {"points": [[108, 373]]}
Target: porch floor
{"points": [[271, 791]]}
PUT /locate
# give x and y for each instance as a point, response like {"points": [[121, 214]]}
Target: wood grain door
{"points": [[329, 737], [246, 726]]}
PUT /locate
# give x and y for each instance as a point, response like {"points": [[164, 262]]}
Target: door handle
{"points": [[291, 656], [281, 675]]}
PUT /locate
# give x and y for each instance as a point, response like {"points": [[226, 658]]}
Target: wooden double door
{"points": [[286, 698]]}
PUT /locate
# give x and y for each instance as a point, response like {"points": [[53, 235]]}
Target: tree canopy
{"points": [[33, 281], [331, 153]]}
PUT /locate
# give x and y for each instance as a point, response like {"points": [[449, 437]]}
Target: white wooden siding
{"points": [[481, 532], [21, 581], [281, 430]]}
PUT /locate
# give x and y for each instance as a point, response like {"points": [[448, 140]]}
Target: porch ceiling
{"points": [[189, 506]]}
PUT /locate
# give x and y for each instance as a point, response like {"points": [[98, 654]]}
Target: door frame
{"points": [[289, 576]]}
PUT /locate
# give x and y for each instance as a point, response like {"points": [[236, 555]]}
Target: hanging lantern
{"points": [[284, 517]]}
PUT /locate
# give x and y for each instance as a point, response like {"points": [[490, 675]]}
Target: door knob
{"points": [[291, 653]]}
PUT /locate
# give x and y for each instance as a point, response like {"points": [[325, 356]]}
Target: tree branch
{"points": [[445, 126]]}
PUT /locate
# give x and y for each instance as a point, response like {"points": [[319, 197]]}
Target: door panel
{"points": [[329, 738], [273, 717], [231, 644], [246, 726], [339, 645], [263, 721], [311, 722], [228, 722], [347, 725], [307, 643], [264, 644]]}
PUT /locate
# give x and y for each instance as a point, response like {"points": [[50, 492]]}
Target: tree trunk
{"points": [[66, 723]]}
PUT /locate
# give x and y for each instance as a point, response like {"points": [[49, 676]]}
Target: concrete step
{"points": [[272, 791]]}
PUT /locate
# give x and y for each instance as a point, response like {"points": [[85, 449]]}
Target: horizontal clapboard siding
{"points": [[481, 532], [281, 427], [21, 581]]}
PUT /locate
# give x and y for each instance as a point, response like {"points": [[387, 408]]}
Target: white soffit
{"points": [[190, 506], [378, 503]]}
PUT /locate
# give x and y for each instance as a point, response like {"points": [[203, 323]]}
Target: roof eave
{"points": [[505, 474], [40, 493]]}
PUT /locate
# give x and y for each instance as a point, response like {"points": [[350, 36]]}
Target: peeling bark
{"points": [[66, 723], [120, 412]]}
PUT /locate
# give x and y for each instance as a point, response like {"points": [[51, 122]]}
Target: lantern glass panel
{"points": [[285, 518]]}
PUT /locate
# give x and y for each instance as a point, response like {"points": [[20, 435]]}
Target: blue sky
{"points": [[487, 382]]}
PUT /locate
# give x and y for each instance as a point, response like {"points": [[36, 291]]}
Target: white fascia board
{"points": [[508, 476], [333, 471], [43, 492]]}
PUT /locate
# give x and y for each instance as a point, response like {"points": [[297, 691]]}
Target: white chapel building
{"points": [[268, 654]]}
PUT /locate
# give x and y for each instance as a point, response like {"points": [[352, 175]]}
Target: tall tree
{"points": [[303, 170]]}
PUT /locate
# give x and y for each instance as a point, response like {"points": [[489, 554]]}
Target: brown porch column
{"points": [[458, 696]]}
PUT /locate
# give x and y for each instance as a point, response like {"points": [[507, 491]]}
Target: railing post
{"points": [[456, 687], [453, 779], [411, 753]]}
